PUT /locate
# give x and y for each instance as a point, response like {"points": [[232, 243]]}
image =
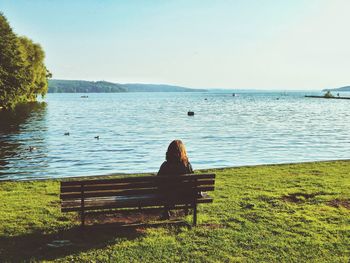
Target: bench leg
{"points": [[195, 214], [82, 213], [186, 210], [82, 217]]}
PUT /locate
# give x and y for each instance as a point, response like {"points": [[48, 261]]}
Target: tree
{"points": [[328, 94], [33, 56], [12, 75], [23, 74]]}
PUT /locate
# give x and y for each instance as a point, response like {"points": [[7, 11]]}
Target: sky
{"points": [[248, 44]]}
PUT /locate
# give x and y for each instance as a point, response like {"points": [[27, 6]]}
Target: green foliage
{"points": [[33, 56], [12, 72], [328, 94], [23, 74], [272, 213]]}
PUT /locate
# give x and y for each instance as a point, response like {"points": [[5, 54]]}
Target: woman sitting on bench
{"points": [[176, 164]]}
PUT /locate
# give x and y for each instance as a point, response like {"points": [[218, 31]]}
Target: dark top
{"points": [[174, 169]]}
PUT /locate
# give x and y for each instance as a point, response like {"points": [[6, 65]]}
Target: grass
{"points": [[272, 213]]}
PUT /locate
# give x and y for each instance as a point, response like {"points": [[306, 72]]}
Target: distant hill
{"points": [[82, 86], [157, 88], [345, 88]]}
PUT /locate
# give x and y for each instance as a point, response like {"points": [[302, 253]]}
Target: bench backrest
{"points": [[138, 191]]}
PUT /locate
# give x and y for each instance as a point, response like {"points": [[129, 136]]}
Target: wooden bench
{"points": [[136, 194]]}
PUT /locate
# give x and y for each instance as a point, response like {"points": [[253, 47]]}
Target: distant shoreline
{"points": [[323, 97], [83, 86]]}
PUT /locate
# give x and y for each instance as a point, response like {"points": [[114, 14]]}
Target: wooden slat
{"points": [[108, 181], [145, 203], [110, 193], [133, 192], [133, 200], [113, 186], [139, 179], [142, 185]]}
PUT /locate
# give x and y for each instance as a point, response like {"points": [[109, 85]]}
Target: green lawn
{"points": [[272, 213]]}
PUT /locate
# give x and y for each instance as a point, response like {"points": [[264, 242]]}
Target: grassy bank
{"points": [[274, 213]]}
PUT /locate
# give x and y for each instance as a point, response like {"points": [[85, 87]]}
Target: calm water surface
{"points": [[136, 128]]}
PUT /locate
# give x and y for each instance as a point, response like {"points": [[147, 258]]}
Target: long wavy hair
{"points": [[177, 153]]}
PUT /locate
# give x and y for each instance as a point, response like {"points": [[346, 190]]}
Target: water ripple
{"points": [[135, 129]]}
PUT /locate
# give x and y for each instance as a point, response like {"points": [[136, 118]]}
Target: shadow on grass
{"points": [[38, 246]]}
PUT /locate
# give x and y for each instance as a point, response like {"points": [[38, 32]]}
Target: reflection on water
{"points": [[22, 141]]}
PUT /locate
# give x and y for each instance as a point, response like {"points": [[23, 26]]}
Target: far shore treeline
{"points": [[23, 74], [83, 86]]}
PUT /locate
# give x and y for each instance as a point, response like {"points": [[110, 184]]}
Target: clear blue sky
{"points": [[294, 44]]}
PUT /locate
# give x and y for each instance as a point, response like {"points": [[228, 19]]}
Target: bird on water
{"points": [[31, 148]]}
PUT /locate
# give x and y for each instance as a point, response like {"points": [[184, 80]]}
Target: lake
{"points": [[135, 129]]}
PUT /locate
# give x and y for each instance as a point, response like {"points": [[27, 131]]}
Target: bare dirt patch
{"points": [[317, 172], [298, 197], [121, 218], [339, 202], [212, 226], [131, 218]]}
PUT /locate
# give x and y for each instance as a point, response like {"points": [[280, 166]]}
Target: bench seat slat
{"points": [[139, 185], [139, 179], [133, 192], [131, 204], [130, 200]]}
